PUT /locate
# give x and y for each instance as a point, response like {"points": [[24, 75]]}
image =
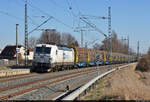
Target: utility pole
{"points": [[138, 47], [109, 29], [81, 38], [125, 42], [26, 35], [17, 44], [122, 43], [128, 50], [85, 44], [128, 45], [81, 31]]}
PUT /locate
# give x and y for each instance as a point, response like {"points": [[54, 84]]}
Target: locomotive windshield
{"points": [[43, 50]]}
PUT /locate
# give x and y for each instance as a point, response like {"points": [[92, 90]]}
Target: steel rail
{"points": [[45, 84]]}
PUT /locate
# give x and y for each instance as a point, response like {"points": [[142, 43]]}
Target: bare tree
{"points": [[50, 36], [68, 39], [32, 42], [117, 45]]}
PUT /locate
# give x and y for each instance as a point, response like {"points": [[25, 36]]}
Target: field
{"points": [[126, 84]]}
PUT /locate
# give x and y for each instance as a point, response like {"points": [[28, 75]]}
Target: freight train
{"points": [[53, 58]]}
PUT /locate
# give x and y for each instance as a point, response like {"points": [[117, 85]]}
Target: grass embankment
{"points": [[124, 84], [4, 68]]}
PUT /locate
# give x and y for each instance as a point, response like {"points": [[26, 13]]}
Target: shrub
{"points": [[143, 64]]}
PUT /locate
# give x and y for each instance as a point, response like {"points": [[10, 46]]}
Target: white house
{"points": [[9, 52]]}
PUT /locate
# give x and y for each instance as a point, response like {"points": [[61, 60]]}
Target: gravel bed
{"points": [[46, 91], [51, 88], [29, 86], [30, 79]]}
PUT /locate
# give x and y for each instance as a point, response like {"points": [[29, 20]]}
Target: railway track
{"points": [[42, 82], [16, 77]]}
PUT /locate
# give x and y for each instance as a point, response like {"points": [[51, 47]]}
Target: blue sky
{"points": [[129, 17]]}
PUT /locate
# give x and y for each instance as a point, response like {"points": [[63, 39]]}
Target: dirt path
{"points": [[126, 84]]}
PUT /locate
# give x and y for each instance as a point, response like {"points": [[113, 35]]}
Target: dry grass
{"points": [[143, 64], [4, 68], [126, 84]]}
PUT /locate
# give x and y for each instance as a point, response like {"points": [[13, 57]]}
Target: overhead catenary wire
{"points": [[57, 5], [61, 7], [40, 25], [18, 3], [64, 9], [10, 15], [21, 19], [93, 26], [32, 21], [74, 15], [38, 9], [17, 18], [70, 7], [75, 2], [64, 23], [85, 20]]}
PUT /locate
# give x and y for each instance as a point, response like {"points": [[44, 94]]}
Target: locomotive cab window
{"points": [[43, 50]]}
